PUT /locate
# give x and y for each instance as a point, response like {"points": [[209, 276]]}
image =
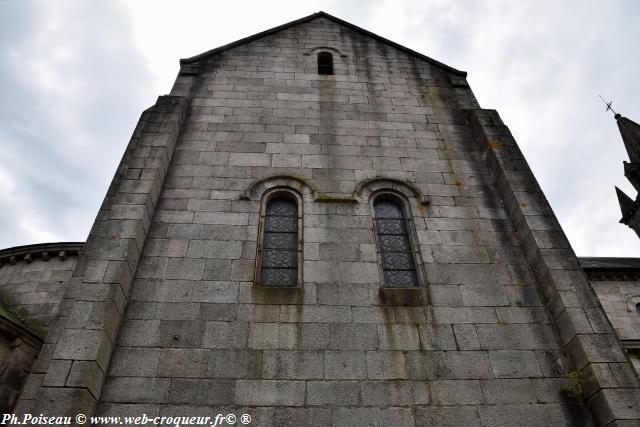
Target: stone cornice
{"points": [[43, 251], [597, 275]]}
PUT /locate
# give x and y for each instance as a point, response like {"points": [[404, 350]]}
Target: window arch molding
{"points": [[366, 188], [339, 61], [260, 187], [279, 251], [387, 255], [333, 50]]}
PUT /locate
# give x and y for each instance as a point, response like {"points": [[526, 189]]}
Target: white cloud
{"points": [[36, 228], [8, 187], [60, 98]]}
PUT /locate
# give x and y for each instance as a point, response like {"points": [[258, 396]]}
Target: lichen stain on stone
{"points": [[434, 97], [459, 183], [495, 143], [523, 205], [422, 208]]}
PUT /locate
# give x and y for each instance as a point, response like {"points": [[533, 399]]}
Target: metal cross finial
{"points": [[608, 104]]}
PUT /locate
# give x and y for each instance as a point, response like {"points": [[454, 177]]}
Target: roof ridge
{"points": [[308, 18]]}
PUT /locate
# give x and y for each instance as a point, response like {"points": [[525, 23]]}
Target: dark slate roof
{"points": [[630, 132], [333, 18], [609, 263], [626, 205]]}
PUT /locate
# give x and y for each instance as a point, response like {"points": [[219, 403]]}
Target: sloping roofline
{"points": [[333, 18], [609, 263]]}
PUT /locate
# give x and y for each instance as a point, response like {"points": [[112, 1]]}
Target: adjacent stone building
{"points": [[32, 286], [616, 282], [318, 226]]}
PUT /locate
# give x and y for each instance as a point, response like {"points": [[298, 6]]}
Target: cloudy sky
{"points": [[75, 76]]}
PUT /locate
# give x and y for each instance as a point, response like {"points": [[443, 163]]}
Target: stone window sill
{"points": [[264, 294], [416, 296]]}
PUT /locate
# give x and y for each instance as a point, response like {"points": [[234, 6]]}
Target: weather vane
{"points": [[608, 104]]}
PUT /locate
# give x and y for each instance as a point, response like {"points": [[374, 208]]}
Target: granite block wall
{"points": [[32, 287], [166, 317], [19, 349], [200, 337], [619, 300]]}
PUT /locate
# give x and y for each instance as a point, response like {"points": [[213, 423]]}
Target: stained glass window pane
{"points": [[395, 248], [282, 207], [279, 258], [279, 276], [400, 278], [388, 209], [397, 261], [280, 243], [393, 243], [280, 240], [391, 226], [281, 224]]}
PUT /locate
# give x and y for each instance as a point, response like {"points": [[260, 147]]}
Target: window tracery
{"points": [[395, 249], [279, 249]]}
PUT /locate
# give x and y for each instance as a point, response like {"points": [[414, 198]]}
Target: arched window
{"points": [[279, 254], [394, 243], [325, 63], [638, 307]]}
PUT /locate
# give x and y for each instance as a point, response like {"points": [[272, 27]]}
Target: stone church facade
{"points": [[320, 226]]}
